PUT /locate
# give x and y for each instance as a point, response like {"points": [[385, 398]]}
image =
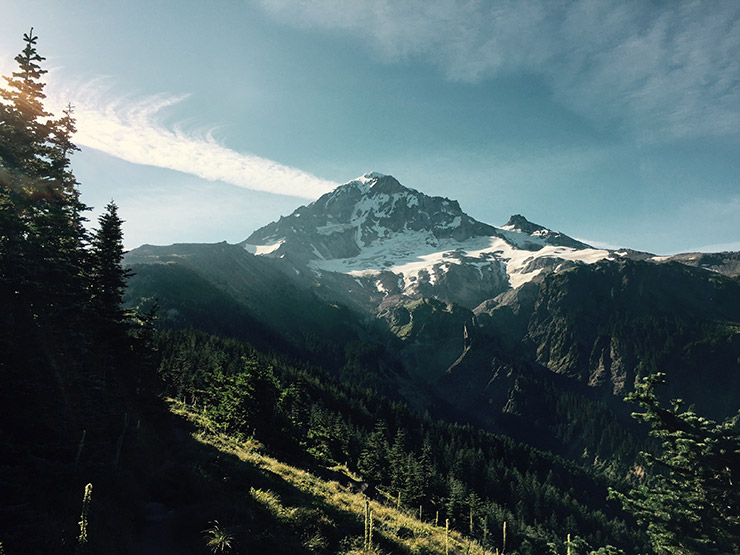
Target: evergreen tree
{"points": [[413, 482], [427, 477], [108, 276], [397, 461], [295, 402], [246, 403], [373, 462], [21, 138], [23, 131], [456, 505], [692, 502], [265, 391], [43, 239]]}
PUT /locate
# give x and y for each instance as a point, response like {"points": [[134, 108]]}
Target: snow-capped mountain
{"points": [[433, 300], [395, 241]]}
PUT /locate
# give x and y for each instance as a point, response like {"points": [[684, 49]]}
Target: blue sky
{"points": [[615, 122]]}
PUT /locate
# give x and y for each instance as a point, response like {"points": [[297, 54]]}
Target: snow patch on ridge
{"points": [[455, 223], [367, 178], [373, 226], [260, 250], [417, 256]]}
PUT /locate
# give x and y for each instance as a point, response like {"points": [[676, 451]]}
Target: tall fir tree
{"points": [[413, 482], [397, 461], [108, 278], [43, 239], [373, 461], [21, 135], [23, 127]]}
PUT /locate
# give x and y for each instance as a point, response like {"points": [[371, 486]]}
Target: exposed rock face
{"points": [[727, 263], [364, 211], [519, 223], [609, 367], [399, 244], [508, 325], [606, 324]]}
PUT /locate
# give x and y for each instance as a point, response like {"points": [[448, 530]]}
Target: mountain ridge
{"points": [[395, 241], [406, 292]]}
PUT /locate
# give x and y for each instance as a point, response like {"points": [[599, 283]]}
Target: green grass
{"points": [[307, 514]]}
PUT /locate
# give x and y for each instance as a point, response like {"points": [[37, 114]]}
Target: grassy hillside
{"points": [[260, 504], [313, 420]]}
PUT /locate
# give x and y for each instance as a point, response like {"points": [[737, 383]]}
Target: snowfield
{"points": [[415, 252], [377, 214]]}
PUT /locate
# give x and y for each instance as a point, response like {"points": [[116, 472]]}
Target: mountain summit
{"points": [[395, 241], [368, 210], [407, 291]]}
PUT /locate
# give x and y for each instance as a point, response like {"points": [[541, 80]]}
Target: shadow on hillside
{"points": [[200, 488]]}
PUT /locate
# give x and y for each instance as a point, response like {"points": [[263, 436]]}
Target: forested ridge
{"points": [[455, 471], [123, 436]]}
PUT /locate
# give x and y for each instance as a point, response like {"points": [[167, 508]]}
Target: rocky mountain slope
{"points": [[380, 241], [497, 323]]}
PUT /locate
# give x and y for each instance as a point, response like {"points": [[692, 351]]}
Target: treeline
{"points": [[61, 286], [475, 479], [71, 358]]}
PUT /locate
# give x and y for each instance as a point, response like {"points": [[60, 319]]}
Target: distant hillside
{"points": [[518, 328], [400, 459]]}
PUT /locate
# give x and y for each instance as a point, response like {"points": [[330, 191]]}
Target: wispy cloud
{"points": [[660, 71], [135, 130]]}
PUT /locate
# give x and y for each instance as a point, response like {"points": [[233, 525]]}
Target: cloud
{"points": [[134, 130], [659, 71]]}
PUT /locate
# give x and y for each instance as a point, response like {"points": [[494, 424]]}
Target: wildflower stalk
{"points": [[368, 526], [82, 538], [503, 547]]}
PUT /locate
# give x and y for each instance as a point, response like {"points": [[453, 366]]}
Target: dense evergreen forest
{"points": [[445, 470], [89, 445], [71, 358]]}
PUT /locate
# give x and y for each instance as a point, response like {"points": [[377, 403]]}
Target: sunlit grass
{"points": [[391, 526], [219, 538]]}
